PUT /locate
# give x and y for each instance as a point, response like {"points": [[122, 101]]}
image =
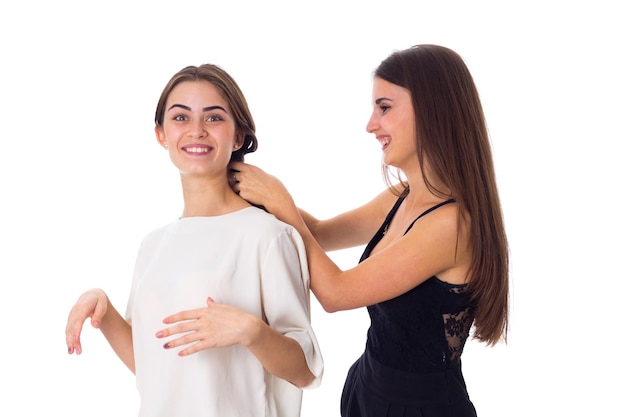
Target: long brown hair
{"points": [[229, 90], [452, 136]]}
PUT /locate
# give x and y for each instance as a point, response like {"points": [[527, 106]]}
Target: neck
{"points": [[420, 193], [210, 198]]}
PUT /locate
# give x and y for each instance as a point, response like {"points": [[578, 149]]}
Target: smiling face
{"points": [[393, 123], [198, 129]]}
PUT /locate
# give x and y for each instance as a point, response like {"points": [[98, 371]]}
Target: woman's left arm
{"points": [[223, 325], [282, 340], [280, 355]]}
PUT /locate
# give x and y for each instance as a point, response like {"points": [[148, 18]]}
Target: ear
{"points": [[239, 139], [160, 136]]}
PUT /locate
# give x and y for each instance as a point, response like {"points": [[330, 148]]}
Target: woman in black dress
{"points": [[435, 270]]}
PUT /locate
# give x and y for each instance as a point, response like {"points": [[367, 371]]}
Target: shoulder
{"points": [[274, 239], [444, 218], [262, 219], [265, 224], [157, 233], [442, 235]]}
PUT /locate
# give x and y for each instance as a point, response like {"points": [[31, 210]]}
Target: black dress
{"points": [[412, 360]]}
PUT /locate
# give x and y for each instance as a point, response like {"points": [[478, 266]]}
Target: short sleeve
{"points": [[137, 272], [142, 260], [285, 285]]}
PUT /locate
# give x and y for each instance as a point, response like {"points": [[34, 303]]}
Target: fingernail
{"points": [[159, 334], [166, 346]]}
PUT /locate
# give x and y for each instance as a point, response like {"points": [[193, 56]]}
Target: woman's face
{"points": [[198, 129], [393, 123]]}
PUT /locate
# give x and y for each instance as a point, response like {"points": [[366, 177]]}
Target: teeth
{"points": [[384, 142], [197, 150]]}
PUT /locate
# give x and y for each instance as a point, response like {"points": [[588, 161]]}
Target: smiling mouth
{"points": [[197, 149]]}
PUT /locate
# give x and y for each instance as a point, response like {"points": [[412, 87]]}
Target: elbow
{"points": [[304, 381], [329, 304], [331, 297], [330, 308], [330, 300]]}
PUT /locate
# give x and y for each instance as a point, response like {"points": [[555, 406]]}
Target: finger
{"points": [[72, 340], [184, 327], [73, 330], [182, 316], [191, 339], [98, 314], [210, 301], [74, 346], [196, 347]]}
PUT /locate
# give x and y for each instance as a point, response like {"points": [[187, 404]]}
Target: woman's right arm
{"points": [[352, 228], [436, 246], [96, 305]]}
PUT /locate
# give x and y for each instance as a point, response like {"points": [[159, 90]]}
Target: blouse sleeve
{"points": [[285, 285], [138, 271]]}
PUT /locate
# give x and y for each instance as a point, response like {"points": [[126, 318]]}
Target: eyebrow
{"points": [[182, 106], [378, 100]]}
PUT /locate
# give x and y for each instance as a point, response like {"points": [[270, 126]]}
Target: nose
{"points": [[372, 124], [197, 128]]}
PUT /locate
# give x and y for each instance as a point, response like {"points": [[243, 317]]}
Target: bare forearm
{"points": [[280, 355], [324, 272], [346, 230], [312, 224], [310, 221], [118, 333]]}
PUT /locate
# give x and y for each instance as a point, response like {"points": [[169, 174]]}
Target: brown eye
{"points": [[214, 118]]}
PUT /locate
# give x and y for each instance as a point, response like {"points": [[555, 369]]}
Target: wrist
{"points": [[253, 331]]}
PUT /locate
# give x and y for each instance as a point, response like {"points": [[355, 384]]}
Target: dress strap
{"points": [[381, 230], [443, 203]]}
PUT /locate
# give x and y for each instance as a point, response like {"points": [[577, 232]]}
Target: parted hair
{"points": [[451, 135], [229, 90]]}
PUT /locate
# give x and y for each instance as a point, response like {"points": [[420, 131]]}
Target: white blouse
{"points": [[247, 259]]}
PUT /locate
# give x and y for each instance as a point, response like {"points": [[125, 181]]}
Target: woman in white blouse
{"points": [[218, 319]]}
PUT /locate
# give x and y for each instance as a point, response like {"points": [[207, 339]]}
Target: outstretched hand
{"points": [[91, 304], [261, 189], [216, 325]]}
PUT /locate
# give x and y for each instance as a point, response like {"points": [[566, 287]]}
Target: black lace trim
{"points": [[457, 327]]}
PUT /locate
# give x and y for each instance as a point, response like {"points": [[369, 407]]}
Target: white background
{"points": [[82, 178]]}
